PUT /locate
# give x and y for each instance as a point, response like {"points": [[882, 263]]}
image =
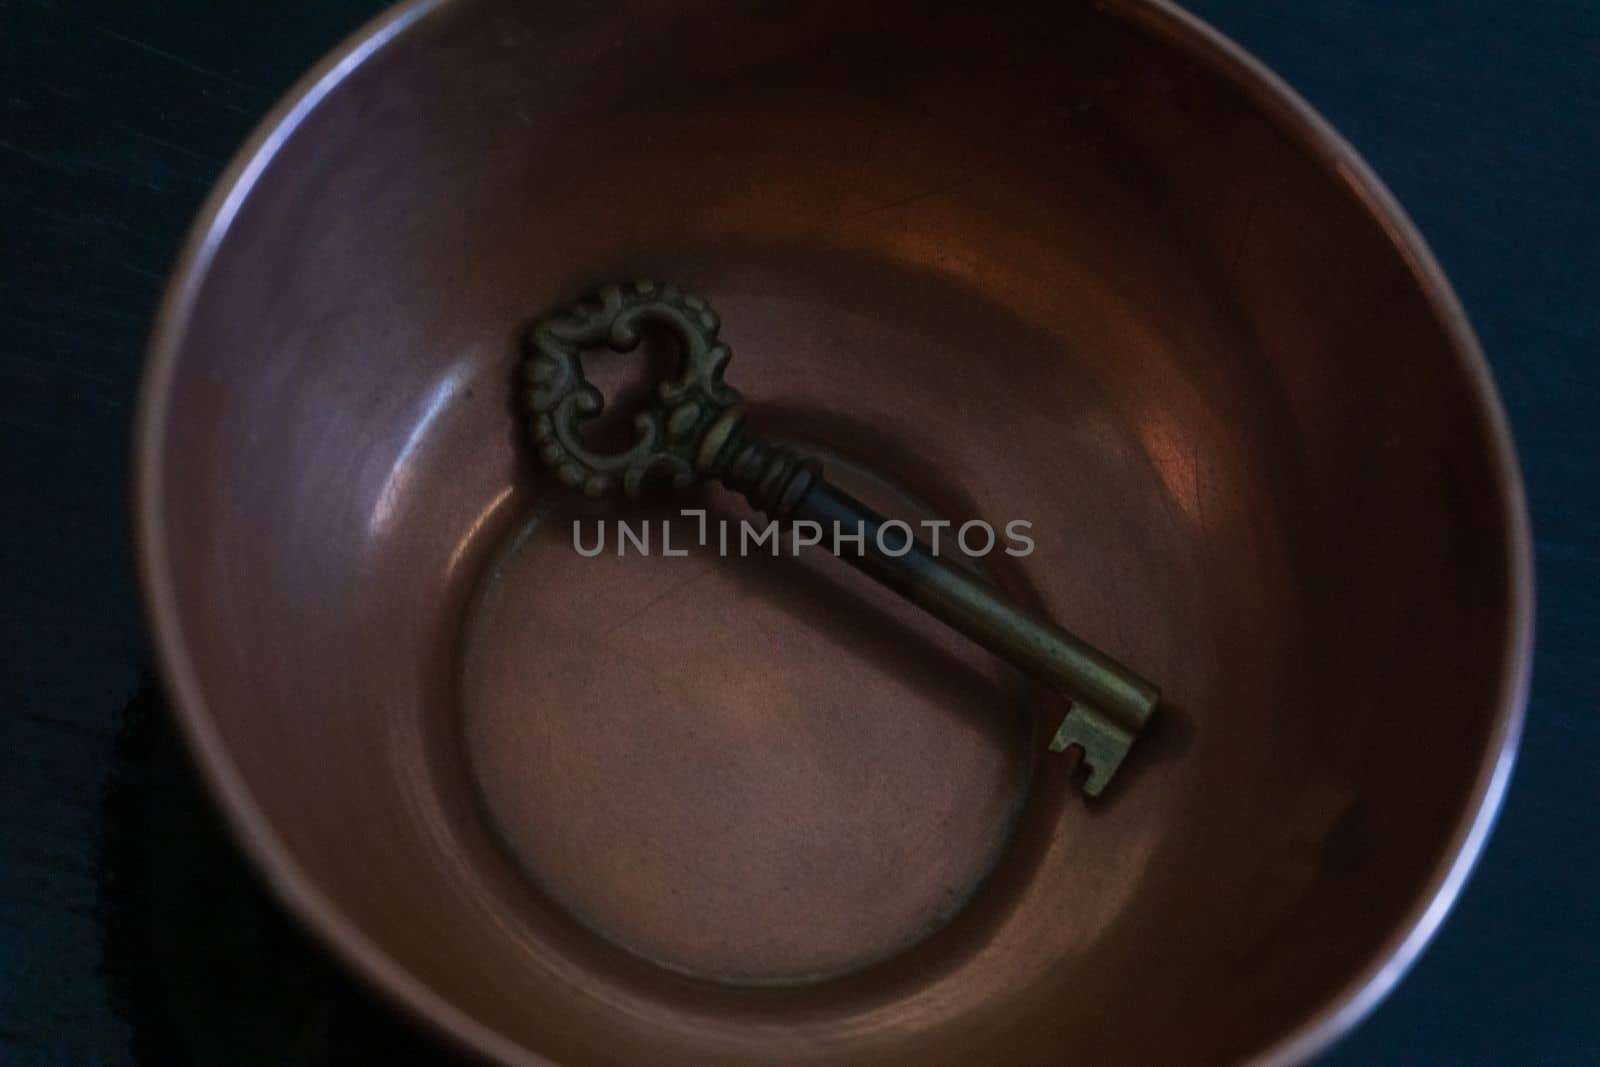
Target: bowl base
{"points": [[752, 769]]}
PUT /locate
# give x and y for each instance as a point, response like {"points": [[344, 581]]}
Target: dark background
{"points": [[129, 931]]}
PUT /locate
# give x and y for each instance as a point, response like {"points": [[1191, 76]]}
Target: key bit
{"points": [[694, 430]]}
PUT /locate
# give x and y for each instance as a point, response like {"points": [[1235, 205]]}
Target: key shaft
{"points": [[1110, 702]]}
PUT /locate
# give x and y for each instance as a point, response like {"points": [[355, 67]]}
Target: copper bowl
{"points": [[1086, 265]]}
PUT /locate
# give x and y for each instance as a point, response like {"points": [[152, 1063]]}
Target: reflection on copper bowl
{"points": [[1084, 265]]}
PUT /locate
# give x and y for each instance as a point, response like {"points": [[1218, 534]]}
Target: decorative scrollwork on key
{"points": [[558, 399]]}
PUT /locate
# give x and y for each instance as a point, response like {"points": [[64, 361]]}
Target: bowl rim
{"points": [[1161, 19]]}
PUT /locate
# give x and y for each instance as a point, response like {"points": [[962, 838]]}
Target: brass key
{"points": [[694, 430]]}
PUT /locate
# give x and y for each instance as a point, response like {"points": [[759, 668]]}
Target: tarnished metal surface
{"points": [[695, 430]]}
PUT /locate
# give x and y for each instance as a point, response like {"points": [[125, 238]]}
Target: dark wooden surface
{"points": [[116, 116]]}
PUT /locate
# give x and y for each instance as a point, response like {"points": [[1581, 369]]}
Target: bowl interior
{"points": [[1047, 265]]}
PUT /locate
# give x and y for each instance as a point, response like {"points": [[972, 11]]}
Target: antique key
{"points": [[694, 430]]}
